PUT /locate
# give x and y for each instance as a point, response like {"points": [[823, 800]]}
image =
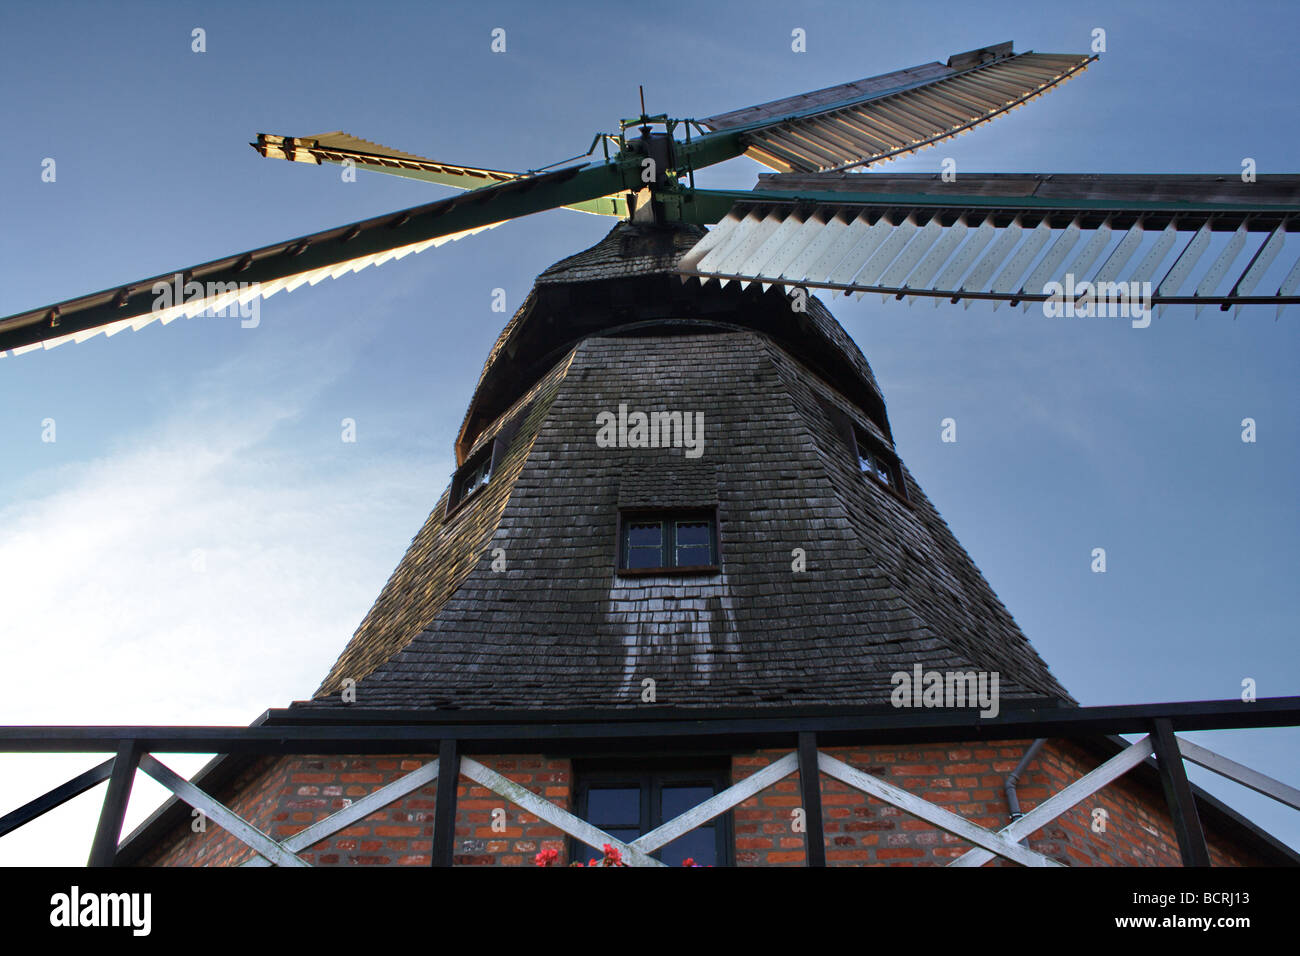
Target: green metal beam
{"points": [[708, 150], [604, 206]]}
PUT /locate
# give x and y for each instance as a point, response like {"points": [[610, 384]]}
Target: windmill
{"points": [[816, 222]]}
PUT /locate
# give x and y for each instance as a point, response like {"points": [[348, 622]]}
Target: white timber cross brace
{"points": [[285, 852], [636, 853], [370, 803], [1004, 842]]}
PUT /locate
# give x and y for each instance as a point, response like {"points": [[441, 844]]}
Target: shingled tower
{"points": [[786, 557], [758, 547]]}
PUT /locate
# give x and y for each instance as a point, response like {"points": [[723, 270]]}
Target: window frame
{"points": [[459, 496], [651, 777], [493, 451], [865, 441], [856, 437], [668, 548]]}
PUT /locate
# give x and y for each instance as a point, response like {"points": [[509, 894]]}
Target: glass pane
{"points": [[645, 535], [677, 800], [693, 557], [692, 532], [644, 557], [614, 805], [699, 845], [477, 477]]}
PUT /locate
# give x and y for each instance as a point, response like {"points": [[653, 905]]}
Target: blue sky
{"points": [[199, 544]]}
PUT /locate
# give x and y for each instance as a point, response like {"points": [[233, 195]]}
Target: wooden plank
{"points": [[1259, 264], [1257, 781], [881, 259], [1019, 264], [732, 237], [866, 247], [444, 807], [229, 821], [810, 790], [1289, 285], [1190, 191], [1120, 256], [558, 817], [1219, 269], [103, 850], [971, 248], [924, 240], [984, 269], [1054, 806], [828, 98], [719, 233], [1155, 255], [944, 819], [1178, 794], [55, 798], [921, 276]]}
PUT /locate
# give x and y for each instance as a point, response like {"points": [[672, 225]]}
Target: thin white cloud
{"points": [[199, 574]]}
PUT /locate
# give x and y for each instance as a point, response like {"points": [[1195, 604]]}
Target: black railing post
{"points": [[103, 851], [444, 809], [1178, 794], [810, 788]]}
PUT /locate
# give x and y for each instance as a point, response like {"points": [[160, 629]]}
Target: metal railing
{"points": [[457, 735]]}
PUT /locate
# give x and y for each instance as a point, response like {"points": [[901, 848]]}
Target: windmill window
{"points": [[477, 472], [659, 542], [628, 804], [471, 478], [875, 461], [693, 541]]}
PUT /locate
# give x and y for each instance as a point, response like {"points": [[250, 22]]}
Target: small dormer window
{"points": [[877, 462], [478, 470], [472, 476], [663, 541], [874, 465]]}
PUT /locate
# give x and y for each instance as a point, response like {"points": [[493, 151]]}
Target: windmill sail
{"points": [[339, 148], [881, 118], [216, 285], [1007, 237]]}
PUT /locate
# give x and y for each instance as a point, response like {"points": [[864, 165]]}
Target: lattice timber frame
{"points": [[370, 732]]}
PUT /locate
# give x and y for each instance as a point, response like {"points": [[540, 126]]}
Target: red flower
{"points": [[612, 856], [689, 861], [546, 857]]}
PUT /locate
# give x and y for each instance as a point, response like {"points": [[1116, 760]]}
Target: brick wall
{"points": [[478, 844], [281, 796], [966, 779]]}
